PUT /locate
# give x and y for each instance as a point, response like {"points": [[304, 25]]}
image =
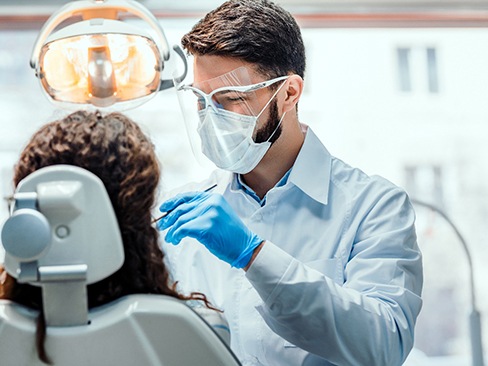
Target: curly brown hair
{"points": [[116, 150]]}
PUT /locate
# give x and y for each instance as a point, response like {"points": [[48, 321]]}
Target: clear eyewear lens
{"points": [[232, 100], [201, 101]]}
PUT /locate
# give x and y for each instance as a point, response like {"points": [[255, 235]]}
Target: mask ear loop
{"points": [[270, 100], [266, 106], [278, 126]]}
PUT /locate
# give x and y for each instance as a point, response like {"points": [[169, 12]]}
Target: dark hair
{"points": [[116, 150], [256, 31]]}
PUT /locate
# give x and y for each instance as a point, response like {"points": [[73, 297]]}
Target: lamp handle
{"points": [[169, 83]]}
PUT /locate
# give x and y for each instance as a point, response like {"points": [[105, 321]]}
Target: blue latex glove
{"points": [[208, 218]]}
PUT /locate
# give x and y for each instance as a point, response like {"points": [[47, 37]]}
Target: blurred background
{"points": [[396, 88]]}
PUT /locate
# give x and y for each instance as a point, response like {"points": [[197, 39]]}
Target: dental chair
{"points": [[63, 235]]}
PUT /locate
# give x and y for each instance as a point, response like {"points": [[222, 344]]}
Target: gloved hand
{"points": [[208, 218]]}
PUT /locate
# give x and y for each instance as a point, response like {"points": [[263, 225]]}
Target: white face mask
{"points": [[227, 139]]}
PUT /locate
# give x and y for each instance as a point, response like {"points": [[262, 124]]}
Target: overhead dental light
{"points": [[101, 60]]}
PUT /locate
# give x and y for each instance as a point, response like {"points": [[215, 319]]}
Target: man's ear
{"points": [[293, 90]]}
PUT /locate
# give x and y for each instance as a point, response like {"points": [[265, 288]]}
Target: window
{"points": [[417, 73], [432, 70], [404, 69]]}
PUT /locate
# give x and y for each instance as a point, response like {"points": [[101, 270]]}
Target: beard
{"points": [[271, 126]]}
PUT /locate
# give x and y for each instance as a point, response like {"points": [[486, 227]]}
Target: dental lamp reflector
{"points": [[102, 60], [82, 65]]}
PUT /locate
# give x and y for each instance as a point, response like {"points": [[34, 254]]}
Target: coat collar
{"points": [[312, 168]]}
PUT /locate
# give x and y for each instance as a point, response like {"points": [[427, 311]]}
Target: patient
{"points": [[116, 150]]}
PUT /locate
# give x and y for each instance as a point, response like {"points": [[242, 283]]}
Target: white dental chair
{"points": [[62, 236]]}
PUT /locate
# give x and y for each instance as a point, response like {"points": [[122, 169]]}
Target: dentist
{"points": [[313, 261]]}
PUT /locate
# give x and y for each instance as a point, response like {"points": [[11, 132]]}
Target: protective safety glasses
{"points": [[234, 91], [231, 98]]}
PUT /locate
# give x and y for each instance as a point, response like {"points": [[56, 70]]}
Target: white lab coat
{"points": [[338, 281]]}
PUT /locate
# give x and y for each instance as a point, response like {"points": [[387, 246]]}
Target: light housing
{"points": [[101, 60]]}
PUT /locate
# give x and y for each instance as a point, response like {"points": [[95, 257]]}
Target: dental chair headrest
{"points": [[62, 219]]}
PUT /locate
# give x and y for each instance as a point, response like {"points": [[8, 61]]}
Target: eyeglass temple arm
{"points": [[90, 9]]}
